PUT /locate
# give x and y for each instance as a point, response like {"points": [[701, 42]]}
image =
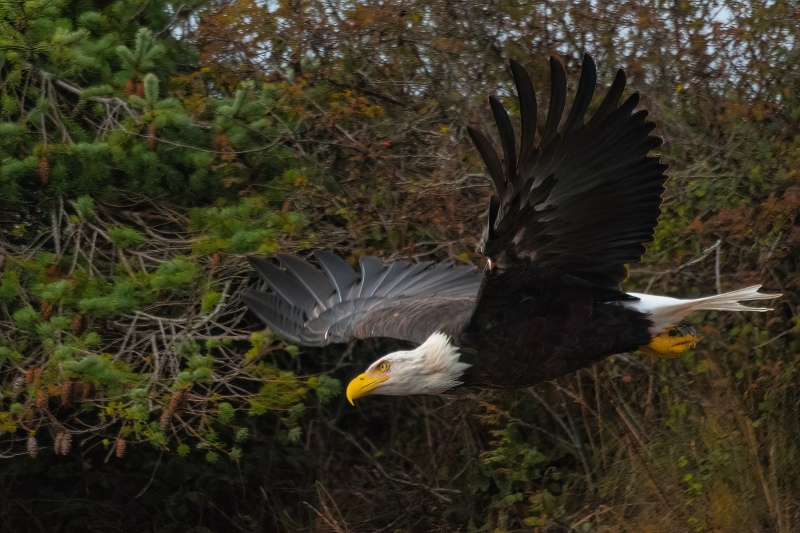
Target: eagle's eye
{"points": [[383, 367]]}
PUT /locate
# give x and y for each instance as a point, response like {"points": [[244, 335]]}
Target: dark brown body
{"points": [[548, 325]]}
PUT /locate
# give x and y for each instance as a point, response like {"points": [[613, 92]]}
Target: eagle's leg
{"points": [[671, 343]]}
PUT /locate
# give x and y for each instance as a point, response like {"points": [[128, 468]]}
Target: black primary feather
{"points": [[527, 108], [558, 98], [587, 198], [490, 159], [507, 137]]}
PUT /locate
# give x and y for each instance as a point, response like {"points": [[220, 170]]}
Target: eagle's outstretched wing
{"points": [[586, 198], [401, 300], [582, 201]]}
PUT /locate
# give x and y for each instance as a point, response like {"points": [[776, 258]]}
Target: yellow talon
{"points": [[669, 344]]}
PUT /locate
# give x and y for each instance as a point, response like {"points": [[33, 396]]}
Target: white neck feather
{"points": [[431, 368]]}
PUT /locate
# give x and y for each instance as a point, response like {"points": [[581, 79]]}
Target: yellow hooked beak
{"points": [[362, 385]]}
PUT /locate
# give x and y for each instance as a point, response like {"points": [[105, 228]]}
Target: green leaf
{"points": [[9, 287], [125, 237], [174, 273], [84, 206], [210, 301], [225, 412], [242, 434], [326, 387], [26, 318], [53, 292]]}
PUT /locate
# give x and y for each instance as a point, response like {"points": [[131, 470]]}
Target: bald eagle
{"points": [[569, 212]]}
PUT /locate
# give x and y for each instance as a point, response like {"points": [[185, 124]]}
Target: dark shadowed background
{"points": [[147, 147]]}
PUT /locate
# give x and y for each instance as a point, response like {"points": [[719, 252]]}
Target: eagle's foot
{"points": [[671, 343]]}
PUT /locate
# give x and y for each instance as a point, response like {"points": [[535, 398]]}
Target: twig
{"points": [[706, 253], [776, 337], [56, 233], [152, 476], [716, 266]]}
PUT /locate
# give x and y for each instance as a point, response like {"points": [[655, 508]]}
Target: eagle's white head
{"points": [[431, 368]]}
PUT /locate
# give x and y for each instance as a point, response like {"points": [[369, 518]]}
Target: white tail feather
{"points": [[666, 312], [730, 300]]}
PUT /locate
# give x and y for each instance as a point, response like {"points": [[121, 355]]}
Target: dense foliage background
{"points": [[146, 147]]}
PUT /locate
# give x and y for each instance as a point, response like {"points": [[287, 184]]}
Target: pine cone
{"points": [[18, 386], [44, 170], [151, 136], [78, 325], [164, 421], [41, 400], [121, 448], [65, 441], [215, 261], [176, 401], [220, 143], [30, 376], [32, 446], [86, 390], [52, 273], [67, 392], [47, 310], [130, 88], [57, 443], [134, 86]]}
